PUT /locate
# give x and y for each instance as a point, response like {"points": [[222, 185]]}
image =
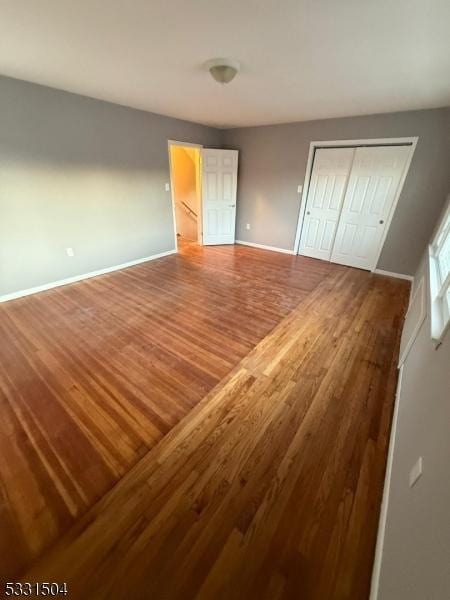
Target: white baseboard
{"points": [[60, 282], [375, 582], [263, 247], [391, 274]]}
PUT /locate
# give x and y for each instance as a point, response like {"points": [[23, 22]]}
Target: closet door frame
{"points": [[411, 141]]}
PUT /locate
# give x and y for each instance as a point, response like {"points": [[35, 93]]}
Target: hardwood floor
{"points": [[93, 375], [271, 486]]}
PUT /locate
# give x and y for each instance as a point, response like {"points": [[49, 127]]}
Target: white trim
{"points": [[375, 582], [438, 287], [439, 324], [366, 142], [60, 282], [174, 216], [350, 143], [392, 274], [199, 190], [420, 294], [264, 247]]}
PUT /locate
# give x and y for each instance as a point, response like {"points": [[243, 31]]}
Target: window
{"points": [[440, 278]]}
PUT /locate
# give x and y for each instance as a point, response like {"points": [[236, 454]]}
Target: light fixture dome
{"points": [[223, 70]]}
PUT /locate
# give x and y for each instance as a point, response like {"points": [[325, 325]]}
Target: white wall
{"points": [[415, 559]]}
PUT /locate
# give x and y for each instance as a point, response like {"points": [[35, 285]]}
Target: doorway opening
{"points": [[185, 179]]}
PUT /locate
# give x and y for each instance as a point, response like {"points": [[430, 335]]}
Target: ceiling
{"points": [[301, 59]]}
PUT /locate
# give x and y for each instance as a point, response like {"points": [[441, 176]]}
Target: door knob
{"points": [[231, 205], [307, 212], [381, 222]]}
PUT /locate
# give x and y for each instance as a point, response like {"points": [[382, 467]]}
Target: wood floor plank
{"points": [[270, 487], [94, 374]]}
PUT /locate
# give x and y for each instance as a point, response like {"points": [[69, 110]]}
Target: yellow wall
{"points": [[185, 163]]}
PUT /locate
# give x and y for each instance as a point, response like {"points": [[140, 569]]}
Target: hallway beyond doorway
{"points": [[186, 190]]}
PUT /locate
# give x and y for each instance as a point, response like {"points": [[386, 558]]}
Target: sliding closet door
{"points": [[329, 176], [371, 191]]}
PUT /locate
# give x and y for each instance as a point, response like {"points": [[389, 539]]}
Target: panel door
{"points": [[371, 191], [219, 184], [330, 172]]}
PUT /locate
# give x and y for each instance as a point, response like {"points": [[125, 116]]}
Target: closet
{"points": [[350, 198]]}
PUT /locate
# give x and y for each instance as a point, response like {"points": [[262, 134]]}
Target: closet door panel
{"points": [[329, 176], [374, 179]]}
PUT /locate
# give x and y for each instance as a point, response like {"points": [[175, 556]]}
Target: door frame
{"points": [[199, 216], [401, 141]]}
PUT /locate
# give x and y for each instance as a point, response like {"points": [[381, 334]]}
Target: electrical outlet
{"points": [[247, 226], [70, 252], [416, 472], [299, 189], [167, 187]]}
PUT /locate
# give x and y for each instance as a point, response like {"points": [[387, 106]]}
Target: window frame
{"points": [[439, 282]]}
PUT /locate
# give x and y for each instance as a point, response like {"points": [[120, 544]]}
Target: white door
{"points": [[331, 169], [219, 183], [369, 199]]}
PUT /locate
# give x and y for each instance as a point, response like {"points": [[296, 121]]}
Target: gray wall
{"points": [[81, 173], [273, 162], [86, 174], [416, 553]]}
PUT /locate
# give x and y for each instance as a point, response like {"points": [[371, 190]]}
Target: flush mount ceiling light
{"points": [[223, 70]]}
